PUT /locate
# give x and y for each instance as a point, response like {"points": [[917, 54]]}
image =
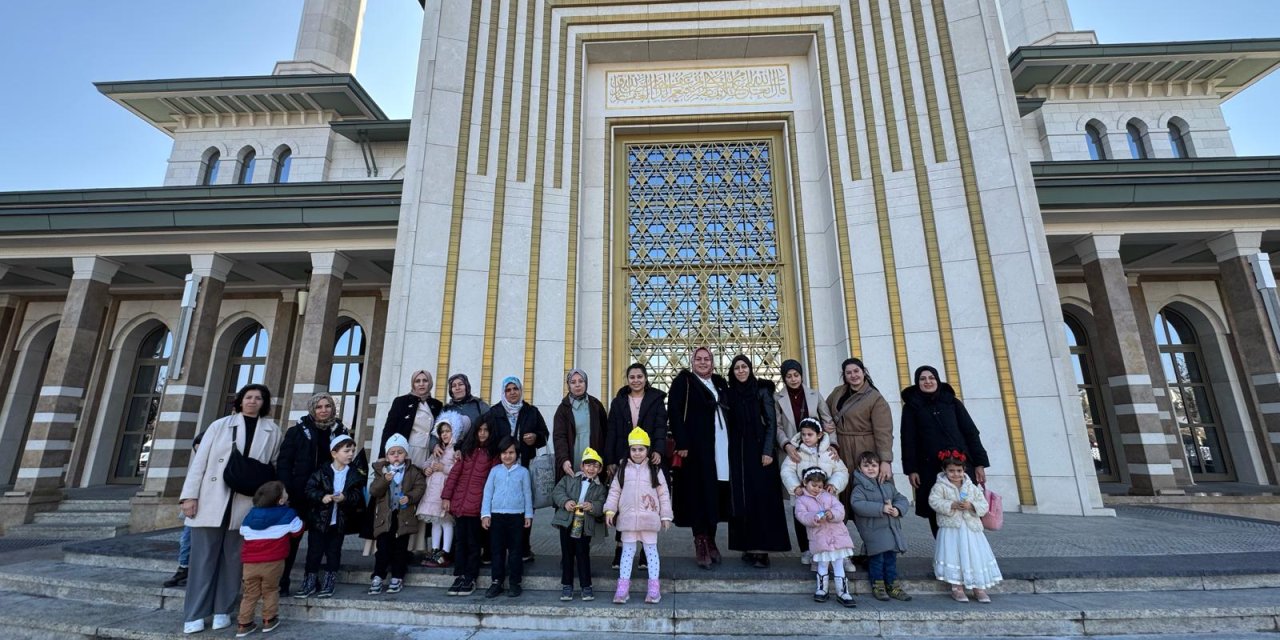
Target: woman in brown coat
{"points": [[863, 421], [580, 422]]}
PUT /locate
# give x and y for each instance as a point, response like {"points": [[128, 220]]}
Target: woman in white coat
{"points": [[213, 511]]}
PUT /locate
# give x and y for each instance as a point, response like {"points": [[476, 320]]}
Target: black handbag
{"points": [[245, 475]]}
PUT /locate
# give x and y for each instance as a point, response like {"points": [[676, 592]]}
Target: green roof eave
{"points": [[1122, 184], [312, 204], [1184, 48], [373, 130]]}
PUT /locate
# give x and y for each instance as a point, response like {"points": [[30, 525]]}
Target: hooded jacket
{"points": [[837, 473], [413, 485], [944, 493], [266, 532], [464, 488], [638, 504], [879, 532]]}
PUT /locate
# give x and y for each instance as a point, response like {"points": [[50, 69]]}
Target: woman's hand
{"points": [[438, 451], [831, 489], [766, 461], [683, 453], [190, 507], [980, 475], [326, 500], [567, 468], [799, 491], [886, 472], [833, 453], [792, 452], [915, 480], [655, 458], [529, 439], [338, 497]]}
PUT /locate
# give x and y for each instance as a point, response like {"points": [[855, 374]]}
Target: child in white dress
{"points": [[961, 556]]}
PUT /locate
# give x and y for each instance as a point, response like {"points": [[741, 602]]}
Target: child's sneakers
{"points": [[878, 591], [327, 585], [375, 586], [566, 593], [654, 594], [623, 592], [820, 593], [270, 625], [806, 558], [842, 593], [457, 584], [395, 585], [246, 629], [515, 590], [468, 587], [897, 593], [494, 590], [588, 594], [308, 587]]}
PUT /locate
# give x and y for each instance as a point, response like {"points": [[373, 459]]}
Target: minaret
{"points": [[328, 38], [1040, 22]]}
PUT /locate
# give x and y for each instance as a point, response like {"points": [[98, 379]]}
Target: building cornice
{"points": [[1180, 183]]}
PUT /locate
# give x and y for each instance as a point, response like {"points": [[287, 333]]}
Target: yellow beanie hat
{"points": [[590, 455], [638, 436]]}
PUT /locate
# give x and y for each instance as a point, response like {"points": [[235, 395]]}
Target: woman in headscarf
{"points": [[758, 520], [933, 420], [515, 418], [697, 421], [413, 415], [863, 421], [306, 448], [579, 422], [461, 400], [794, 403], [637, 404]]}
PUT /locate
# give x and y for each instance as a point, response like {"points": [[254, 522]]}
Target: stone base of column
{"points": [[1147, 490], [149, 511], [19, 507]]}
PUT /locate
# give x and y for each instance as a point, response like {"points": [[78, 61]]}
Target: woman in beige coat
{"points": [[213, 511], [863, 421]]}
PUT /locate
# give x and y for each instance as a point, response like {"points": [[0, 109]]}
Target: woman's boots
{"points": [[701, 551]]}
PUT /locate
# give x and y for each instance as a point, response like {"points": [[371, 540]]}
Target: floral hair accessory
{"points": [[951, 454]]}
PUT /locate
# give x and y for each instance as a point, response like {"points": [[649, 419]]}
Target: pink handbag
{"points": [[995, 510]]}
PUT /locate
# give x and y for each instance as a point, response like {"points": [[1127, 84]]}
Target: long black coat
{"points": [[529, 420], [564, 431], [691, 416], [305, 448], [933, 424], [400, 418], [758, 520], [653, 419]]}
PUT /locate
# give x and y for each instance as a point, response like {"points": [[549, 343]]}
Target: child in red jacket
{"points": [[462, 496], [267, 530]]}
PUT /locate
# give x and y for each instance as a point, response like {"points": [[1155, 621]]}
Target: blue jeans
{"points": [[883, 566], [184, 547]]}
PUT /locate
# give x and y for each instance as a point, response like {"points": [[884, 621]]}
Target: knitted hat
{"points": [[590, 455], [638, 436], [397, 440], [338, 440], [791, 365]]}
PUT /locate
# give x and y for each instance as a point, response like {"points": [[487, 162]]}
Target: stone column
{"points": [[328, 38], [376, 335], [320, 320], [156, 505], [1251, 329], [1142, 438], [41, 475], [1029, 22], [280, 354], [1181, 474]]}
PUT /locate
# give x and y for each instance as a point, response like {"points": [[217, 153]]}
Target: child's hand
{"points": [[887, 510], [608, 519], [389, 476], [831, 516], [570, 505], [528, 522], [326, 499], [666, 524], [444, 506], [586, 506], [404, 500], [967, 506], [484, 522]]}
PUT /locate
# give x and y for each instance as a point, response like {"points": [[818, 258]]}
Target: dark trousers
{"points": [[802, 535], [325, 544], [506, 536], [294, 543], [466, 547], [392, 551], [883, 566], [574, 551]]}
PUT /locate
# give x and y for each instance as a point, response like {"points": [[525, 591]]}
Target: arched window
{"points": [[248, 363], [133, 449], [248, 160], [1136, 133], [209, 168], [1178, 138], [347, 371], [1190, 395], [1093, 138], [1095, 416], [280, 164]]}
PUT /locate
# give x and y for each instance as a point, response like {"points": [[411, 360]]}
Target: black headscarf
{"points": [[751, 385], [922, 369]]}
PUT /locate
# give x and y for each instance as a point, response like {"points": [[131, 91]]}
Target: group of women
{"points": [[720, 438]]}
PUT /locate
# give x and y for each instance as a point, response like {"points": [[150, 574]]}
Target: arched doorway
{"points": [[246, 364], [1191, 396], [347, 372], [1095, 415], [142, 409]]}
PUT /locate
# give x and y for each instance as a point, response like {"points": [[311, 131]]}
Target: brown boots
{"points": [[701, 551]]}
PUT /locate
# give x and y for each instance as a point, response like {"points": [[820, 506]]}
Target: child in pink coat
{"points": [[823, 517], [639, 505]]}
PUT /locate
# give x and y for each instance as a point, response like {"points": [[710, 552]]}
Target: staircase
{"points": [[86, 514]]}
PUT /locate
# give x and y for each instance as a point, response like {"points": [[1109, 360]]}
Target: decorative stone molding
{"points": [[718, 86]]}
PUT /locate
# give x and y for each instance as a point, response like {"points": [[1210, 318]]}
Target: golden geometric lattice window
{"points": [[702, 255]]}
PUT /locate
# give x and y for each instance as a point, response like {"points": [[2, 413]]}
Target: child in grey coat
{"points": [[877, 512]]}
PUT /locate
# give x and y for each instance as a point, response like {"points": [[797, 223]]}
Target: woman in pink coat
{"points": [[823, 517]]}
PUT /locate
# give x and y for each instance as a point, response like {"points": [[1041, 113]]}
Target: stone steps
{"points": [[83, 518], [77, 519], [65, 531], [101, 506], [699, 613]]}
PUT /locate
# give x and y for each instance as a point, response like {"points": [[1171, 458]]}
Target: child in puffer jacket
{"points": [[462, 496], [640, 504], [820, 510]]}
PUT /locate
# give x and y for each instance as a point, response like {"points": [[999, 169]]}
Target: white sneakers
{"points": [[194, 626], [221, 621], [806, 558]]}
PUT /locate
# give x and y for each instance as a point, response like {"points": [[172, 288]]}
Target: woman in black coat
{"points": [[933, 420], [304, 449], [758, 520], [636, 405], [700, 478], [417, 406]]}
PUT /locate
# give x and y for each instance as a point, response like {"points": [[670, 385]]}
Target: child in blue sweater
{"points": [[507, 510]]}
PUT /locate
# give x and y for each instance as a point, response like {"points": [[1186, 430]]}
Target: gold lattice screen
{"points": [[703, 257]]}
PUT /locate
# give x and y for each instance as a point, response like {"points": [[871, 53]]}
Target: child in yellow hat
{"points": [[579, 501], [639, 505]]}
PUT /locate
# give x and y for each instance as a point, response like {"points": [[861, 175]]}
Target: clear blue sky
{"points": [[63, 134]]}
